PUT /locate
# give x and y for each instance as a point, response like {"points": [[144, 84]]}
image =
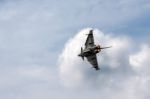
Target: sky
{"points": [[39, 41]]}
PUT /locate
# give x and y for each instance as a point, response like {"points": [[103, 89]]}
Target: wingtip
{"points": [[97, 69], [91, 31]]}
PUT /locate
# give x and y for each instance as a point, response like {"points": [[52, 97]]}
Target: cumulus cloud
{"points": [[118, 65], [140, 60]]}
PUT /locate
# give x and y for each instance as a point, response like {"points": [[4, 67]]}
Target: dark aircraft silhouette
{"points": [[91, 50]]}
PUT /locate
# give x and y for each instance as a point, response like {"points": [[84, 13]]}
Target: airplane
{"points": [[91, 50]]}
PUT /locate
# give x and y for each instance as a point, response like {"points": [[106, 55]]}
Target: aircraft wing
{"points": [[93, 61], [90, 40]]}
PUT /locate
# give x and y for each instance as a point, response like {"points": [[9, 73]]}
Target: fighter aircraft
{"points": [[91, 50]]}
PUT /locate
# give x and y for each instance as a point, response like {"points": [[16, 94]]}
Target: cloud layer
{"points": [[122, 69]]}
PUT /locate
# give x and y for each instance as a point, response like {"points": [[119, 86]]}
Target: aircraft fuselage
{"points": [[90, 51]]}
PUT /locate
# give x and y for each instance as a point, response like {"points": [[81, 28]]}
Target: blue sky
{"points": [[33, 35]]}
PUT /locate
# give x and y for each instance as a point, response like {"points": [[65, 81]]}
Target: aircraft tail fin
{"points": [[81, 54]]}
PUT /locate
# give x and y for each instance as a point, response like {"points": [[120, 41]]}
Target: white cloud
{"points": [[116, 76], [140, 60], [71, 66], [69, 61]]}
